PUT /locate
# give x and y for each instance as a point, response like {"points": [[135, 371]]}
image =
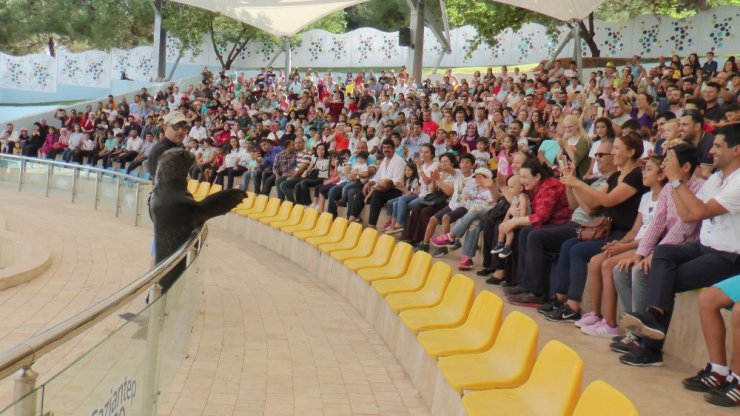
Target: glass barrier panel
{"points": [[34, 178], [107, 194], [128, 199], [61, 182], [86, 188], [110, 378], [30, 401], [182, 303], [9, 169]]}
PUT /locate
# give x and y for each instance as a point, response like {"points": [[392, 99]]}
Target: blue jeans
{"points": [[572, 267], [334, 194], [245, 180], [399, 208], [470, 244]]}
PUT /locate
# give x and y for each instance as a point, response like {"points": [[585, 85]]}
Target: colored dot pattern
{"points": [[681, 39], [721, 30], [613, 43], [524, 46], [648, 37], [88, 68]]}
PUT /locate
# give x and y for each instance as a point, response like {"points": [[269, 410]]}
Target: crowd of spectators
{"points": [[628, 181]]}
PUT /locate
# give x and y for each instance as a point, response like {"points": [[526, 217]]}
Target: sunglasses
{"points": [[600, 155], [181, 125]]}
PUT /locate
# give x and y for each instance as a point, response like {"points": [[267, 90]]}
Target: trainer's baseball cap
{"points": [[175, 117]]}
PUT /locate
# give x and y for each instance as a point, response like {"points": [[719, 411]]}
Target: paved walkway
{"points": [[272, 339], [276, 341], [93, 255]]}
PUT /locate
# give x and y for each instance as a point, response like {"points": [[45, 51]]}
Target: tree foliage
{"points": [[78, 24], [490, 19], [385, 15]]}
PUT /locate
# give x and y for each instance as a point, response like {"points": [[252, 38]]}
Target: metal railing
{"points": [[90, 173], [19, 360]]}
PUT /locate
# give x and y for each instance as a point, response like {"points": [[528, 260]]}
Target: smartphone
{"points": [[561, 163]]}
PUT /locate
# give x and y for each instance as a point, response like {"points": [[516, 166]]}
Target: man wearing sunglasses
{"points": [[176, 127]]}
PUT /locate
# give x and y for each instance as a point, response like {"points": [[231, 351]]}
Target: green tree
{"points": [[79, 24], [385, 15]]}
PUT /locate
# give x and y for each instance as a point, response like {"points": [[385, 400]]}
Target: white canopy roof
{"points": [[564, 10], [278, 17], [288, 17]]}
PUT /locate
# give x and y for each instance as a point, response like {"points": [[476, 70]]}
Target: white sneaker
{"points": [[588, 319], [600, 329]]}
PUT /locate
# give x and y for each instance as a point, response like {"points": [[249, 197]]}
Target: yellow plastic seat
{"points": [[283, 213], [202, 191], [338, 227], [600, 398], [507, 364], [429, 295], [475, 335], [395, 268], [364, 247], [552, 390], [260, 202], [246, 202], [192, 186], [320, 229], [271, 209], [296, 215], [350, 239], [413, 279], [215, 188], [379, 257], [308, 221], [450, 312]]}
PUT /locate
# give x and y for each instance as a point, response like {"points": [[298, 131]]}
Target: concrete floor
{"points": [[273, 339]]}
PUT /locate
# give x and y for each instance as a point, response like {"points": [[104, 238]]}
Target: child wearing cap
{"points": [[519, 208], [478, 201]]}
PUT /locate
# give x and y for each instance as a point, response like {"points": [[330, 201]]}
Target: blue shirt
{"points": [[269, 158]]}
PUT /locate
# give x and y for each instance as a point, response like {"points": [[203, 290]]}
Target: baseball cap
{"points": [[482, 171], [175, 117], [610, 65]]}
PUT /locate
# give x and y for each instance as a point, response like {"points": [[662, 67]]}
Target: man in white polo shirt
{"points": [[679, 268], [383, 185]]}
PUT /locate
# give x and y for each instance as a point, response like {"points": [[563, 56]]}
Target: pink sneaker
{"points": [[465, 264], [600, 329], [587, 319], [441, 241], [386, 226]]}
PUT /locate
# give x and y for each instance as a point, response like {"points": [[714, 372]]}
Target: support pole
{"points": [[24, 383], [418, 41], [288, 57], [438, 62], [560, 48], [577, 52], [159, 51]]}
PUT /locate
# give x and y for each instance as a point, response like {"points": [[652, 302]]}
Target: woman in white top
{"points": [[315, 175], [425, 165], [231, 166]]}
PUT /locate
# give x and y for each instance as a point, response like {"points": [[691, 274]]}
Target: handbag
{"points": [[596, 229], [498, 211], [313, 174], [433, 199]]}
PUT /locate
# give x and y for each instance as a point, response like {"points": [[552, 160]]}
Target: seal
{"points": [[175, 213]]}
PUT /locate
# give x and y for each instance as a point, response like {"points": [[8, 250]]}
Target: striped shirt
{"points": [[666, 226]]}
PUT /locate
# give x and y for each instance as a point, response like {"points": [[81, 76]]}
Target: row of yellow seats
{"points": [[200, 190], [474, 348]]}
